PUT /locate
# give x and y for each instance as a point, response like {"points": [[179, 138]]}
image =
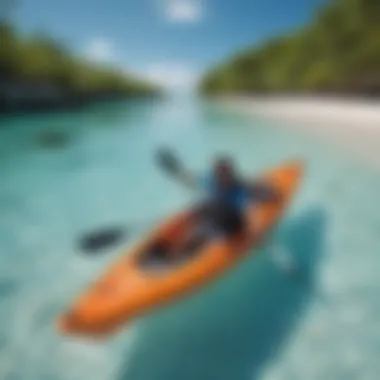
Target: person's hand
{"points": [[252, 225]]}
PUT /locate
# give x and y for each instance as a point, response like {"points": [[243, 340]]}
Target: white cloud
{"points": [[183, 10], [100, 50], [171, 75]]}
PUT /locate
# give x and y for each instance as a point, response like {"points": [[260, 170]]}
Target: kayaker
{"points": [[226, 197]]}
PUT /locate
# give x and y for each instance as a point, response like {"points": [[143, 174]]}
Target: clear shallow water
{"points": [[254, 323]]}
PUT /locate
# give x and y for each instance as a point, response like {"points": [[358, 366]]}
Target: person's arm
{"points": [[263, 192]]}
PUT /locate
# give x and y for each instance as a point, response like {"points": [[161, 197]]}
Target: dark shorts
{"points": [[222, 219], [211, 222]]}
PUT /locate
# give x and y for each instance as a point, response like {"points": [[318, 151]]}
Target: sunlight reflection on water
{"points": [[254, 323]]}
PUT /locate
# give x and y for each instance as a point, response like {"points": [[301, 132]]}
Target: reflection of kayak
{"points": [[132, 287]]}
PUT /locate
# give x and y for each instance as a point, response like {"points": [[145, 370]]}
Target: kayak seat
{"points": [[160, 255]]}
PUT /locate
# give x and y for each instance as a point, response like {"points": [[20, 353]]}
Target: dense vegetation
{"points": [[42, 65], [338, 52]]}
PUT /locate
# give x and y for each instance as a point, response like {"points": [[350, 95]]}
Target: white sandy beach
{"points": [[350, 123]]}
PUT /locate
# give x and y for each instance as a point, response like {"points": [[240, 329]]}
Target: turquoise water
{"points": [[254, 323]]}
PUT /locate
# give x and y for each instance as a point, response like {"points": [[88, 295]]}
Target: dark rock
{"points": [[98, 240], [52, 139]]}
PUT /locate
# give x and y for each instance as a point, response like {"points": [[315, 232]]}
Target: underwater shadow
{"points": [[238, 325], [52, 139]]}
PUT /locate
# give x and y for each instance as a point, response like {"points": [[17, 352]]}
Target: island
{"points": [[38, 73], [336, 53]]}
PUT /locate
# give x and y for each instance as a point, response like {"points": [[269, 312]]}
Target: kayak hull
{"points": [[127, 290]]}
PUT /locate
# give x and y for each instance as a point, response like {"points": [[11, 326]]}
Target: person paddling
{"points": [[226, 197], [222, 213]]}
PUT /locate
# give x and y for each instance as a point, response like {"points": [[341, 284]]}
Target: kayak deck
{"points": [[142, 281]]}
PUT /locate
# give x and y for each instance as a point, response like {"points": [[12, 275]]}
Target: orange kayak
{"points": [[130, 288]]}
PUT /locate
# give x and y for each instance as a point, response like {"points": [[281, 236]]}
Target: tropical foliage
{"points": [[339, 51], [40, 60]]}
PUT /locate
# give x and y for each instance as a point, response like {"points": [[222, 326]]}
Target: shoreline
{"points": [[48, 105], [351, 124]]}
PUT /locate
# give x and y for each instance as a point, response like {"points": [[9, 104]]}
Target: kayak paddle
{"points": [[101, 239], [166, 159], [95, 241]]}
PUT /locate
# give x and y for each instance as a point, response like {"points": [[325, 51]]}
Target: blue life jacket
{"points": [[236, 197]]}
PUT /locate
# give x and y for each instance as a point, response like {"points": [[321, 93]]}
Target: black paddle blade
{"points": [[168, 161], [96, 241]]}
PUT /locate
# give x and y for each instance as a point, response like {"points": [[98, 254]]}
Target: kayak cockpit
{"points": [[161, 255]]}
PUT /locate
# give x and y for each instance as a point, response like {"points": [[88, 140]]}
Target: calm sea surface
{"points": [[254, 323]]}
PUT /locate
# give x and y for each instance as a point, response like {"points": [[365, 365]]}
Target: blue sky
{"points": [[170, 40]]}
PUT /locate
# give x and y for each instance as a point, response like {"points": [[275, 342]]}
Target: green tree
{"points": [[40, 60], [338, 51]]}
